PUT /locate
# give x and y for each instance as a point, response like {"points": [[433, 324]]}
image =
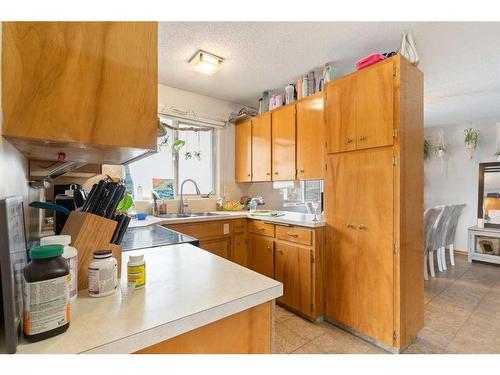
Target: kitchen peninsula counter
{"points": [[190, 296]]}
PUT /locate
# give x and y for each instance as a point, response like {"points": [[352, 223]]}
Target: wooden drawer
{"points": [[239, 225], [259, 227], [294, 234], [204, 230]]}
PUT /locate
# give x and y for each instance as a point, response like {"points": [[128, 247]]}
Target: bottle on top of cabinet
{"points": [[299, 88], [71, 256], [311, 79], [278, 101], [46, 308], [289, 94], [305, 86]]}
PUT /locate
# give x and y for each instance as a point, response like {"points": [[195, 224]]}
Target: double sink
{"points": [[194, 214]]}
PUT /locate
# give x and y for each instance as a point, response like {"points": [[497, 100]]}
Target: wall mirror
{"points": [[488, 206]]}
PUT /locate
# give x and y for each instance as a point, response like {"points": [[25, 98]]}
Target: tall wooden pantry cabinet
{"points": [[374, 202]]}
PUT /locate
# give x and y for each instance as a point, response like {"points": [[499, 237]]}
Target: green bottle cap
{"points": [[47, 251]]}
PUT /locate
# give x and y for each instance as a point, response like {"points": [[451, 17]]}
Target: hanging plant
{"points": [[440, 149], [497, 155], [177, 146], [197, 155], [188, 155], [471, 140], [427, 148]]}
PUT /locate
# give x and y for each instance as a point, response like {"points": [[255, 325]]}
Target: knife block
{"points": [[90, 233]]}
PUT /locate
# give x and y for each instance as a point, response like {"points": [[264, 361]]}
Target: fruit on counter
{"points": [[232, 206]]}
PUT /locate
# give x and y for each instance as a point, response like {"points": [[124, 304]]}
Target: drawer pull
{"points": [[350, 226], [362, 138], [349, 140], [293, 234], [238, 243], [362, 227], [261, 228], [279, 251]]}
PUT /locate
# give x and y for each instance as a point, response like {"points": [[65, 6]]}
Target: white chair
{"points": [[440, 235], [431, 216], [451, 230]]}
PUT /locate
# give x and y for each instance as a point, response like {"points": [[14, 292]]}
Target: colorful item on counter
{"points": [[136, 271], [103, 274], [46, 293], [253, 205], [71, 256], [141, 216], [232, 206], [369, 60]]}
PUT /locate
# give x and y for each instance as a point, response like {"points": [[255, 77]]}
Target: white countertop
{"points": [[186, 288], [292, 218]]}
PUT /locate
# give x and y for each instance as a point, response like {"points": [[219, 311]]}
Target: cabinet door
{"points": [[243, 151], [219, 246], [375, 272], [261, 254], [342, 194], [340, 114], [375, 106], [240, 254], [261, 148], [310, 138], [283, 143], [294, 269]]}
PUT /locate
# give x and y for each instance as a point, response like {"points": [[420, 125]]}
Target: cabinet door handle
{"points": [[301, 171], [248, 175], [293, 234], [362, 227], [362, 138], [269, 248], [349, 140], [350, 226], [276, 173], [238, 243], [268, 174], [279, 251]]}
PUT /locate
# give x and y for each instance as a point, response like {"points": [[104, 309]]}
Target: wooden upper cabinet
{"points": [[243, 151], [310, 138], [283, 143], [88, 89], [261, 147], [340, 114], [375, 105]]}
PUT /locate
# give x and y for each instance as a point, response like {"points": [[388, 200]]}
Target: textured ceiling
{"points": [[461, 61]]}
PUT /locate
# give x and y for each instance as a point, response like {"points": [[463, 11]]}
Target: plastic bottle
{"points": [[253, 205], [46, 293], [271, 103], [103, 274], [136, 271], [71, 256], [311, 79], [289, 94], [278, 101], [305, 86], [139, 192]]}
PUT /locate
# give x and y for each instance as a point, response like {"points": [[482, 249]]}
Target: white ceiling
{"points": [[460, 61]]}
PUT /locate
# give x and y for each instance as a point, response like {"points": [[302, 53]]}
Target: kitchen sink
{"points": [[194, 214]]}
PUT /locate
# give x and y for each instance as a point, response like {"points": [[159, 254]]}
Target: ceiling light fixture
{"points": [[205, 62]]}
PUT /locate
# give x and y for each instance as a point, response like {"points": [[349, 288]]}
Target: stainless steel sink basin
{"points": [[194, 214]]}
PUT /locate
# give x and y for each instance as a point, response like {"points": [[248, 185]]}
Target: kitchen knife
{"points": [[89, 197], [120, 219], [96, 198], [107, 197], [120, 190], [123, 229]]}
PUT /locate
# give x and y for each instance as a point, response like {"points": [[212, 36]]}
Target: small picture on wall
{"points": [[164, 187]]}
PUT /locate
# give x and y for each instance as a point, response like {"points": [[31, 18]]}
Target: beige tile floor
{"points": [[462, 315]]}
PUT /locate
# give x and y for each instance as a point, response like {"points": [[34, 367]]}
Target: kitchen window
{"points": [[297, 193], [181, 155]]}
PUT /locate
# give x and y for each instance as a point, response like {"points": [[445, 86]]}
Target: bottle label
{"points": [[46, 305], [73, 271], [103, 281], [136, 276]]}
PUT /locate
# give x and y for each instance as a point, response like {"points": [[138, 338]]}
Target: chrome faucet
{"points": [[181, 202]]}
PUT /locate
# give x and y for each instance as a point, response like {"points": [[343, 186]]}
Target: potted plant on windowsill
{"points": [[471, 140]]}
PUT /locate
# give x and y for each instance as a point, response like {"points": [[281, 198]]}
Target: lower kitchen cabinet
{"points": [[261, 254], [218, 246], [293, 267], [240, 251]]}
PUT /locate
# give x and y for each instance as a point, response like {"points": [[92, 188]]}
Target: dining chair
{"points": [[451, 230], [431, 216], [440, 236]]}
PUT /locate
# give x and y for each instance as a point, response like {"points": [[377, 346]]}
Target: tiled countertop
{"points": [[292, 218], [186, 288]]}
